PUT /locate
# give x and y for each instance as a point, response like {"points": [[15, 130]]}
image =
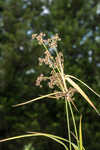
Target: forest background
{"points": [[78, 24]]}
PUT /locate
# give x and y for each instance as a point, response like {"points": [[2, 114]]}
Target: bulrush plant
{"points": [[65, 86]]}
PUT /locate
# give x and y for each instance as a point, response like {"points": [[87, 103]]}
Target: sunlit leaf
{"points": [[83, 84], [81, 92], [35, 99]]}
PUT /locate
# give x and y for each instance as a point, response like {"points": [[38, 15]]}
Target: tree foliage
{"points": [[78, 25]]}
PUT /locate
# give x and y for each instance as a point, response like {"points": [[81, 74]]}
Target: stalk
{"points": [[74, 123], [68, 124]]}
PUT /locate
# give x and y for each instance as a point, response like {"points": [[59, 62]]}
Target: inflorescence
{"points": [[56, 64]]}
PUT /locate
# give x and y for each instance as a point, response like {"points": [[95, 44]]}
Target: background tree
{"points": [[77, 23], [18, 64]]}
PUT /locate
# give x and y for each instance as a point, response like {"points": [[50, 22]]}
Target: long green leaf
{"points": [[54, 137], [81, 92], [83, 84], [35, 99], [80, 134], [36, 134]]}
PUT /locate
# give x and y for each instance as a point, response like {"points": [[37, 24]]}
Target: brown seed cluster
{"points": [[48, 59], [55, 78], [56, 65], [39, 38], [52, 42], [67, 95], [59, 61], [40, 79]]}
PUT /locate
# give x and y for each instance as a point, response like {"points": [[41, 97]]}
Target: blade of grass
{"points": [[68, 124], [82, 93], [36, 134], [80, 134], [33, 134], [35, 99], [57, 137], [63, 139], [74, 123], [83, 84]]}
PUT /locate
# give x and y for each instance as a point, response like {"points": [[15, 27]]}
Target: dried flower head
{"points": [[56, 64], [34, 36], [40, 79], [39, 38]]}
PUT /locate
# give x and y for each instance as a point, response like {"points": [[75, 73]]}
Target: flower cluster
{"points": [[52, 42], [39, 38], [57, 77], [39, 80], [67, 95], [48, 59]]}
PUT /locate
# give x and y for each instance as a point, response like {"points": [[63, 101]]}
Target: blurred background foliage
{"points": [[78, 25]]}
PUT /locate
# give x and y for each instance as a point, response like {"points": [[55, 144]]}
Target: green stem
{"points": [[68, 124], [73, 118]]}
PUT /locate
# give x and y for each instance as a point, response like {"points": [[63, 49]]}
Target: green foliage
{"points": [[28, 147], [78, 25]]}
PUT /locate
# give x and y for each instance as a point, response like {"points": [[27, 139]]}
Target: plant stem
{"points": [[74, 123], [68, 124]]}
